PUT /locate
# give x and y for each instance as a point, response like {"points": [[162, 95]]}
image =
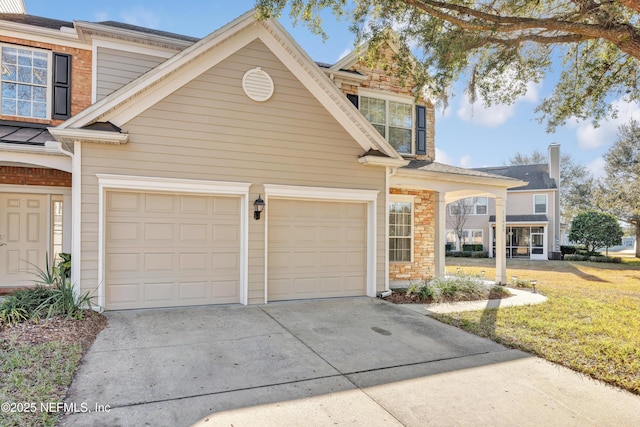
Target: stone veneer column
{"points": [[440, 234]]}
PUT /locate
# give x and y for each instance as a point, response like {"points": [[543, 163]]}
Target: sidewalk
{"points": [[519, 297]]}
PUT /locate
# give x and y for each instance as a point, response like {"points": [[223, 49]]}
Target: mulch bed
{"points": [[401, 297], [66, 331]]}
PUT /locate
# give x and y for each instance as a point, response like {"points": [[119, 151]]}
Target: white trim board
{"points": [[294, 192], [175, 186]]}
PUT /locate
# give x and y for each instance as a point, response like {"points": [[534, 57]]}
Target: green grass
{"points": [[35, 373], [591, 322]]}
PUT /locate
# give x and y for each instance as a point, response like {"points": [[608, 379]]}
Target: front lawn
{"points": [[37, 363], [591, 322]]}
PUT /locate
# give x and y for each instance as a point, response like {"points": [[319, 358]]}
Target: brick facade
{"points": [[423, 266], [34, 176], [80, 76], [386, 80]]}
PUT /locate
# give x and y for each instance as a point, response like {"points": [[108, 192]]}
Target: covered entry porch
{"points": [[448, 184]]}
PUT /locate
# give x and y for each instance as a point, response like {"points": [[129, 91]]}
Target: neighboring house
{"points": [[185, 138], [532, 217]]}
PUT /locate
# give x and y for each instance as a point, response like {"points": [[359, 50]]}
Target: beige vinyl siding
{"points": [[210, 130], [116, 68]]}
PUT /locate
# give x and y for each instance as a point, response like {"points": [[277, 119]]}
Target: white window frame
{"points": [[48, 80], [474, 211], [402, 198], [546, 204], [393, 98]]}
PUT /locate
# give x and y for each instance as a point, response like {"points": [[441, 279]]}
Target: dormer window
{"points": [[394, 121], [397, 119], [35, 83]]}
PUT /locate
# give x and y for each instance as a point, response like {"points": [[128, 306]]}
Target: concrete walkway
{"points": [[356, 361], [519, 297]]}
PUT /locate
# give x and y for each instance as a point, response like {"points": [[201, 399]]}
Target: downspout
{"points": [[390, 171], [75, 212]]}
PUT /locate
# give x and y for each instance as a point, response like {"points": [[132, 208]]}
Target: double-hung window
{"points": [[25, 73], [540, 203], [393, 119], [35, 83], [400, 231]]}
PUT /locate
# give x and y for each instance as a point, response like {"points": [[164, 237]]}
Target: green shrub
{"points": [[480, 254], [53, 295], [455, 288], [568, 249], [460, 254], [576, 257], [602, 258], [473, 248]]}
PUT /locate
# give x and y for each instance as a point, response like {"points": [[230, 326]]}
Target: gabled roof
{"points": [[36, 21], [135, 97], [537, 176]]}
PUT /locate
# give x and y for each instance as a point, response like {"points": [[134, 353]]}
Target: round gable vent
{"points": [[257, 84]]}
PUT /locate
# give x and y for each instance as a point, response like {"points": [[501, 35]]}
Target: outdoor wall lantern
{"points": [[258, 207]]}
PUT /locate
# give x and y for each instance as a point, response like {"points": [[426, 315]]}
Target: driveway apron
{"points": [[358, 361]]}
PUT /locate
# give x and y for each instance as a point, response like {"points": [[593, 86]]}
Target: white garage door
{"points": [[164, 250], [316, 249]]}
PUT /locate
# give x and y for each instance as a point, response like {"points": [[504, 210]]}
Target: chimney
{"points": [[554, 162], [554, 173]]}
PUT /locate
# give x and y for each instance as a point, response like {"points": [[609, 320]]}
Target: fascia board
{"points": [[460, 178], [88, 29]]}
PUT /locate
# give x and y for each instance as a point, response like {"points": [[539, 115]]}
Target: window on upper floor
{"points": [[394, 121], [35, 83], [540, 203], [397, 119], [470, 206]]}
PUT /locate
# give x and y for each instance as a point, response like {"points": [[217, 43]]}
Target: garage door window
{"points": [[400, 231]]}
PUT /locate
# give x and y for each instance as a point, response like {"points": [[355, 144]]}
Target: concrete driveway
{"points": [[356, 361]]}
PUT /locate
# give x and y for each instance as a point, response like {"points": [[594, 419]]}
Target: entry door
{"points": [[23, 237]]}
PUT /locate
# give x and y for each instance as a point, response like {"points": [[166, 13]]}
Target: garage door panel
{"points": [[122, 231], [158, 262], [159, 203], [158, 291], [122, 262], [193, 262], [316, 249], [188, 255], [159, 231]]}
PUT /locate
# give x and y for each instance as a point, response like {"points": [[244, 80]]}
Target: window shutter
{"points": [[421, 129], [353, 99], [61, 90]]}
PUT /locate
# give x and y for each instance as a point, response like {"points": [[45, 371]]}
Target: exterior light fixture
{"points": [[533, 285], [482, 274], [514, 279], [258, 207]]}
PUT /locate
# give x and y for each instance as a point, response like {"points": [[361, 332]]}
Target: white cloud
{"points": [[345, 52], [465, 161], [142, 17], [590, 137], [101, 16], [442, 157], [497, 114], [596, 167]]}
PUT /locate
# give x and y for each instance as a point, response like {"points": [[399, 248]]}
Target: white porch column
{"points": [[501, 251], [439, 237]]}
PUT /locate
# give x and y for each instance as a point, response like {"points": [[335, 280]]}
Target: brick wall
{"points": [[80, 76], [388, 81], [34, 176], [423, 266]]}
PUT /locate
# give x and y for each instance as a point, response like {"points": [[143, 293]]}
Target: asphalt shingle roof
{"points": [[522, 218], [36, 21], [536, 175]]}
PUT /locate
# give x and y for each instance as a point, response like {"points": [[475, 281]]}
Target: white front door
{"points": [[23, 237]]}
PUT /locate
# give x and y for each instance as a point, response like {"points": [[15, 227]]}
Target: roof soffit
{"points": [[135, 97]]}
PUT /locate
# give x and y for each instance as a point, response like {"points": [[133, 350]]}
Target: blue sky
{"points": [[466, 135]]}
